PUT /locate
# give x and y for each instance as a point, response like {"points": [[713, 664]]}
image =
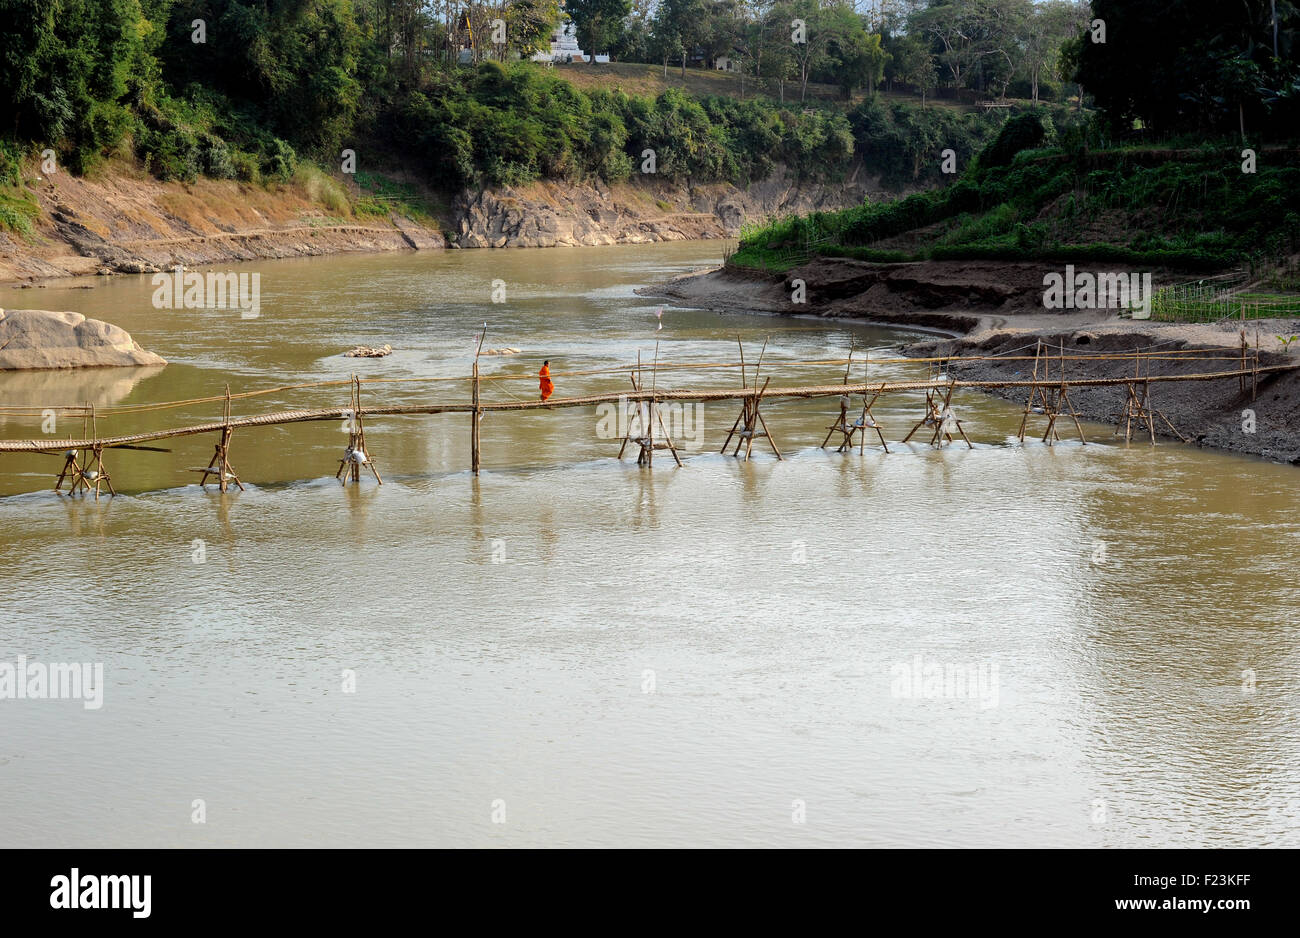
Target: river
{"points": [[573, 651]]}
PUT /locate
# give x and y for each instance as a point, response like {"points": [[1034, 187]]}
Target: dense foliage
{"points": [[1202, 66], [510, 125], [241, 88], [1191, 208]]}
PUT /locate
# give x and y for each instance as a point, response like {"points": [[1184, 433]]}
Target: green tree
{"points": [[678, 28], [914, 64], [1184, 66], [599, 22], [857, 58]]}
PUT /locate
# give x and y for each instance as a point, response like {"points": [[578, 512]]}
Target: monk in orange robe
{"points": [[545, 382]]}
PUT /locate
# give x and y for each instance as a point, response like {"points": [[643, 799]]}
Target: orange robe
{"points": [[546, 384]]}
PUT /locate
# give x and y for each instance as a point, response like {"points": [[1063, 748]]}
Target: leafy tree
{"points": [[1191, 65], [68, 68], [678, 28], [599, 22], [914, 64], [1022, 132], [857, 58]]}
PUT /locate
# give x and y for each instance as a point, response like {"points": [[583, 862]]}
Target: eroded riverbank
{"points": [[125, 221]]}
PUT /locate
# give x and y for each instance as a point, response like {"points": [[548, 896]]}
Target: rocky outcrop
{"points": [[547, 214], [534, 219], [37, 338]]}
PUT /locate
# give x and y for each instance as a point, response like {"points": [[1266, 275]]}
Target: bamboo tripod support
{"points": [[71, 470], [1054, 399], [88, 472], [1036, 394], [219, 465], [751, 418], [931, 417], [940, 415], [648, 416], [356, 455], [946, 421], [1138, 408], [866, 420], [71, 465]]}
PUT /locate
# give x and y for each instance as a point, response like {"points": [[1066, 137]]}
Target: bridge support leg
{"points": [[95, 472], [71, 471], [356, 455], [219, 464], [749, 422]]}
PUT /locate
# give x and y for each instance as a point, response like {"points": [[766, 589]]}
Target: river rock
{"points": [[37, 338], [366, 351]]}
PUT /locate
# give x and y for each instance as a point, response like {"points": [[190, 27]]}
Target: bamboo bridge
{"points": [[1048, 391]]}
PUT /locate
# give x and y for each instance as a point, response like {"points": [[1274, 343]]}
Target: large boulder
{"points": [[37, 338]]}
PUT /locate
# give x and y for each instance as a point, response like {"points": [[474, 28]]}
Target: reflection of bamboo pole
{"points": [[474, 430], [476, 413], [1033, 392]]}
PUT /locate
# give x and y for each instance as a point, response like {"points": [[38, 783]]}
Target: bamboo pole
{"points": [[476, 413], [474, 430]]}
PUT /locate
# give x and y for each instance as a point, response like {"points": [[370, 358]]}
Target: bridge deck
{"points": [[721, 394]]}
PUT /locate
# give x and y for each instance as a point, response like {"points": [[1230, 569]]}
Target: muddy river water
{"points": [[1011, 645]]}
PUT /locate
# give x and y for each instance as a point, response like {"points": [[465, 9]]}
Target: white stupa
{"points": [[564, 44]]}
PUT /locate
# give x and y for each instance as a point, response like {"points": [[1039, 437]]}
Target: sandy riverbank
{"points": [[993, 308]]}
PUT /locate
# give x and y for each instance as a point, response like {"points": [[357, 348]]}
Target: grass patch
{"points": [[382, 195], [18, 210], [323, 189]]}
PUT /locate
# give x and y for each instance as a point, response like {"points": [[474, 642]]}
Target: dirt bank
{"points": [[123, 220], [994, 308]]}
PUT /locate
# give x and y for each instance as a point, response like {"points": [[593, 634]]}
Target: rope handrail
{"points": [[28, 410]]}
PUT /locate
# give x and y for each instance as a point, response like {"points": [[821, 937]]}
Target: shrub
{"points": [[1022, 132], [278, 161], [214, 157], [245, 167]]}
